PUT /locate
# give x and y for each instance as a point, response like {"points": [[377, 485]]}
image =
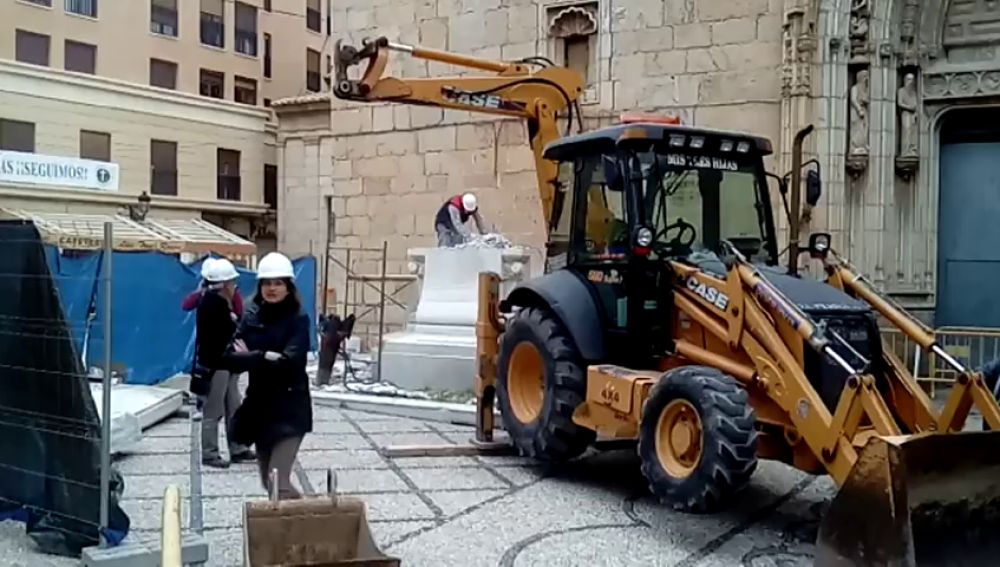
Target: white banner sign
{"points": [[38, 169]]}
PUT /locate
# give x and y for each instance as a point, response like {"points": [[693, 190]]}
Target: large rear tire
{"points": [[697, 439], [541, 380]]}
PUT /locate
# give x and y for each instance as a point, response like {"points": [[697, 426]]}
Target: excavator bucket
{"points": [[919, 500]]}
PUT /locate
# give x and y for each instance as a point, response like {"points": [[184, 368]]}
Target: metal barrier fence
{"points": [[55, 454], [971, 346], [56, 441]]}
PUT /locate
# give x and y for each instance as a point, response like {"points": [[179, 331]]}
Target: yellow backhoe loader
{"points": [[665, 317]]}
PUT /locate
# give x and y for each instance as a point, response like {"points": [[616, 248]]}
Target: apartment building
{"points": [[173, 94]]}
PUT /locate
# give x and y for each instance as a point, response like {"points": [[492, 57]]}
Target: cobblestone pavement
{"points": [[488, 511]]}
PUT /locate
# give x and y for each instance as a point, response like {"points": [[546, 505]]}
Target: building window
{"points": [[40, 2], [312, 70], [573, 35], [267, 5], [213, 26], [267, 102], [163, 74], [228, 166], [163, 17], [245, 90], [17, 136], [95, 145], [313, 16], [82, 7], [271, 186], [267, 55], [163, 167], [80, 57], [246, 29], [31, 47], [212, 84]]}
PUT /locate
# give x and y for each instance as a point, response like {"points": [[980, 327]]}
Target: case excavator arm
{"points": [[532, 89]]}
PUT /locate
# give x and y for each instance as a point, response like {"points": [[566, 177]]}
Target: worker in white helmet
{"points": [[217, 387], [271, 343], [450, 220]]}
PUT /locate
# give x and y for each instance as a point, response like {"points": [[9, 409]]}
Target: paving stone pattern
{"points": [[472, 511]]}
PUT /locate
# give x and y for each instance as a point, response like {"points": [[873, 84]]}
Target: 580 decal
{"points": [[710, 294]]}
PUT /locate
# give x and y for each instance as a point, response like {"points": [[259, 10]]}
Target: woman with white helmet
{"points": [[190, 303], [217, 388], [271, 344]]}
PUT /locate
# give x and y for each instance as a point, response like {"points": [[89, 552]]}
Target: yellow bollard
{"points": [[170, 531]]}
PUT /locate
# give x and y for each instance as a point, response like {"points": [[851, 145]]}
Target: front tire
{"points": [[697, 439], [541, 380]]}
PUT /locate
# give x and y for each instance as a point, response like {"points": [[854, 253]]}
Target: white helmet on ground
{"points": [[469, 202], [221, 270], [275, 266]]}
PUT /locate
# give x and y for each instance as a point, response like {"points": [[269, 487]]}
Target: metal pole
{"points": [[196, 514], [347, 281], [381, 307], [106, 391], [793, 226], [326, 252]]}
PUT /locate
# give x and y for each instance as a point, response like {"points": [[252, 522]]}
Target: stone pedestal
{"points": [[437, 349]]}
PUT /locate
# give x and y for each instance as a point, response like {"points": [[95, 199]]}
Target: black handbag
{"points": [[201, 377]]}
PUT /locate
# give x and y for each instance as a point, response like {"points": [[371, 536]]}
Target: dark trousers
{"points": [[281, 456]]}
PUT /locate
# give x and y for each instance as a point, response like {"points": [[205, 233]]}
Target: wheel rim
{"points": [[526, 382], [678, 438]]}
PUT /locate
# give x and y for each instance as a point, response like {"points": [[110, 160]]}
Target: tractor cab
{"points": [[648, 190]]}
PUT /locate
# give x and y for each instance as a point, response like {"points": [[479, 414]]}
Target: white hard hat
{"points": [[206, 267], [273, 266], [469, 202], [222, 270]]}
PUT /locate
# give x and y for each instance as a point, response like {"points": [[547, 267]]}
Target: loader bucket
{"points": [[920, 500], [318, 531]]}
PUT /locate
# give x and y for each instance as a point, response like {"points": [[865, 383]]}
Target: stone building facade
{"points": [[888, 84]]}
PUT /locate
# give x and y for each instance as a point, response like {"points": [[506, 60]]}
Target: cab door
{"points": [[624, 284]]}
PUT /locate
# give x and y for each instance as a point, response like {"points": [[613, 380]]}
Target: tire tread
{"points": [[729, 456], [555, 437]]}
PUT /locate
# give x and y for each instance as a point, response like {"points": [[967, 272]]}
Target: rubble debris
{"points": [[361, 379], [491, 240]]}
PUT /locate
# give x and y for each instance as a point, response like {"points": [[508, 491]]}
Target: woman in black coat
{"points": [[271, 344]]}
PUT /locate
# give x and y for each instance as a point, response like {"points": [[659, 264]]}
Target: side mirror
{"points": [[814, 187], [819, 245]]}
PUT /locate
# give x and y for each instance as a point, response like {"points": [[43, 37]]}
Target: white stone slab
{"points": [[437, 349], [135, 408]]}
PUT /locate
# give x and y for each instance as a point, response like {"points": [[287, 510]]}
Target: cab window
{"points": [[603, 234]]}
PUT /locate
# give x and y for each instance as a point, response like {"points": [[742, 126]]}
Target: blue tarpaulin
{"points": [[152, 337]]}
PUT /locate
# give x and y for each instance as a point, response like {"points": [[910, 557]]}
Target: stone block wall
{"points": [[388, 167]]}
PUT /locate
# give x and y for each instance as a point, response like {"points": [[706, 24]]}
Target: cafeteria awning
{"points": [[73, 231]]}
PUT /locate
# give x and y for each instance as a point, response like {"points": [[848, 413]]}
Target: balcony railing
{"points": [[228, 187], [163, 21], [213, 30], [164, 182], [246, 42]]}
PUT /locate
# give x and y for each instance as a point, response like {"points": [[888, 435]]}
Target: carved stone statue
{"points": [[906, 102], [859, 27], [859, 115]]}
